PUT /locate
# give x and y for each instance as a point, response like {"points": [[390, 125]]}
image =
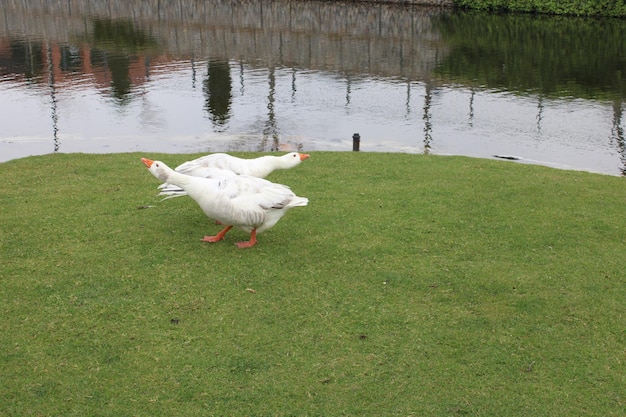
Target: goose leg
{"points": [[218, 236], [249, 243]]}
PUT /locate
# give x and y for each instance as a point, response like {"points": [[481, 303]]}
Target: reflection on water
{"points": [[557, 57], [217, 89], [114, 44], [187, 76]]}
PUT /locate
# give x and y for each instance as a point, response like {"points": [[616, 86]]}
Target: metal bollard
{"points": [[356, 142]]}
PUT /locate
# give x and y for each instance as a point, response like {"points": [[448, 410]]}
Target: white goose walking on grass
{"points": [[249, 203], [205, 166]]}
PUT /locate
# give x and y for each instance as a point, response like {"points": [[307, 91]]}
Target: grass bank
{"points": [[410, 285]]}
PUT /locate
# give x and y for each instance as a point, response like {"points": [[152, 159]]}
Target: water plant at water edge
{"points": [[609, 8]]}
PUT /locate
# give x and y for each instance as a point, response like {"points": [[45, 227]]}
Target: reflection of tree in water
{"points": [[618, 133], [271, 128], [428, 127], [26, 58], [53, 101], [119, 66], [217, 89], [115, 43], [557, 57]]}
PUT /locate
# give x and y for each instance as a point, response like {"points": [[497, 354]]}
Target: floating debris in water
{"points": [[509, 157]]}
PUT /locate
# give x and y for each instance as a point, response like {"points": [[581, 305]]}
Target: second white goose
{"points": [[205, 167]]}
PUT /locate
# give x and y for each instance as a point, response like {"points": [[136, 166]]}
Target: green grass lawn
{"points": [[411, 285]]}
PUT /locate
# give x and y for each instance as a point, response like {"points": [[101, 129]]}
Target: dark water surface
{"points": [[195, 76]]}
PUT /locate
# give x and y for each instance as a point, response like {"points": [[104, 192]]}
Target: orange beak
{"points": [[304, 156], [147, 162]]}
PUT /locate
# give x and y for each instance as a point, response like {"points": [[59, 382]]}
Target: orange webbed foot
{"points": [[217, 237], [249, 243], [245, 244]]}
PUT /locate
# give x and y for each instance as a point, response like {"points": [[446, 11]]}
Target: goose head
{"points": [[294, 158], [157, 168]]}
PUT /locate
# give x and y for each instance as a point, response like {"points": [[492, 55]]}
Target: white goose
{"points": [[258, 167], [249, 203]]}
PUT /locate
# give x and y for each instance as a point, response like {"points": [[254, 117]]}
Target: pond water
{"points": [[192, 76]]}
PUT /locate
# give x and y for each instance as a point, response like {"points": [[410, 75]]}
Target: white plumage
{"points": [[205, 167], [249, 203]]}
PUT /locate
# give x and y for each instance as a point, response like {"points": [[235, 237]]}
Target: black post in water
{"points": [[356, 142]]}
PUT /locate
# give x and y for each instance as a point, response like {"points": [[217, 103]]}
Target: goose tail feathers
{"points": [[299, 202]]}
